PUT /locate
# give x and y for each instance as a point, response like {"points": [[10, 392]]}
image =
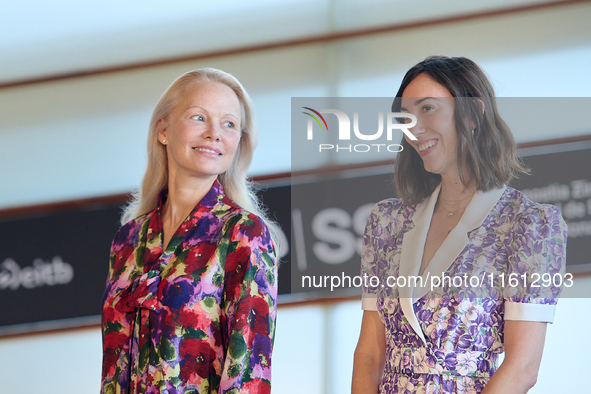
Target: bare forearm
{"points": [[508, 379], [370, 355], [367, 373], [524, 345]]}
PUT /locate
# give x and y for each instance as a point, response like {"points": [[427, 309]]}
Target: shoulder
{"points": [[387, 208], [530, 214], [392, 211], [388, 216], [241, 223], [130, 231], [246, 234]]}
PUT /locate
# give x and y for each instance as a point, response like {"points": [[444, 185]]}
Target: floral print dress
{"points": [[448, 339], [198, 317]]}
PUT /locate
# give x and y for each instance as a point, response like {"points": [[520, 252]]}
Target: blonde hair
{"points": [[234, 181]]}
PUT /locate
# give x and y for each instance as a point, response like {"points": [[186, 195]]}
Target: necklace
{"points": [[452, 204]]}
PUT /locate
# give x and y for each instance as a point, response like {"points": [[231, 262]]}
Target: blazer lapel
{"points": [[455, 242], [413, 245]]}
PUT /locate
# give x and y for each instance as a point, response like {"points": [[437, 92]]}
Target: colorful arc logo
{"points": [[315, 118]]}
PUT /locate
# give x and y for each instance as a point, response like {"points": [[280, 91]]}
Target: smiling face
{"points": [[202, 132], [436, 133]]}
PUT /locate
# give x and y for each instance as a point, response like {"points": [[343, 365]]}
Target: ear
{"points": [[162, 127], [481, 105]]}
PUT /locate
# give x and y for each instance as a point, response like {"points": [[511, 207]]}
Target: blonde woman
{"points": [[190, 301]]}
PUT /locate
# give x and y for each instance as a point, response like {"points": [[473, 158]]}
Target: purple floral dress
{"points": [[198, 317], [447, 339]]}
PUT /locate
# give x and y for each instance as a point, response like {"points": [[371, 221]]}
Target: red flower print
{"points": [[109, 314], [252, 317], [236, 264], [121, 257], [113, 343], [257, 386], [197, 357], [155, 225], [199, 256], [256, 229], [151, 256], [211, 298]]}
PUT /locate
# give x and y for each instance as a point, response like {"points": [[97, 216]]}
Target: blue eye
{"points": [[198, 117], [230, 124]]}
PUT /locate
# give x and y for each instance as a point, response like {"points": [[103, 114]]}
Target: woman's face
{"points": [[437, 138], [203, 131]]}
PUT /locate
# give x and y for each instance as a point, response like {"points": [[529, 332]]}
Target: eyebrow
{"points": [[419, 101], [203, 109]]}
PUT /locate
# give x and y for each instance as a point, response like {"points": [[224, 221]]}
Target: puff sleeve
{"points": [[536, 254]]}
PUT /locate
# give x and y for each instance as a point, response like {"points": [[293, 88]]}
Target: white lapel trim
{"points": [[413, 243], [455, 242], [413, 246]]}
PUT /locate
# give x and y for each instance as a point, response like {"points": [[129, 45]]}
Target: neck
{"points": [[183, 194], [452, 189], [454, 197]]}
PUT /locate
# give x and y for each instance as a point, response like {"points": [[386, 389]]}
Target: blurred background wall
{"points": [[78, 82]]}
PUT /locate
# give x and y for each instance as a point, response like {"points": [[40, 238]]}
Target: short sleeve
{"points": [[536, 264], [376, 238]]}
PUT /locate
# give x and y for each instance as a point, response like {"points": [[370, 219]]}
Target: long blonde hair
{"points": [[234, 181]]}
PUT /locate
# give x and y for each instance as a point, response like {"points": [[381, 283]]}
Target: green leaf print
{"points": [[267, 259], [218, 279], [174, 243], [234, 370], [237, 346], [270, 277], [143, 357], [167, 350], [112, 327], [209, 302], [194, 333]]}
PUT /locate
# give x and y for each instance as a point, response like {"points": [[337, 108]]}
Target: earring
{"points": [[473, 130], [164, 141]]}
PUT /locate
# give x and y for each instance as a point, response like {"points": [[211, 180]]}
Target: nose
{"points": [[418, 128], [413, 128], [213, 131]]}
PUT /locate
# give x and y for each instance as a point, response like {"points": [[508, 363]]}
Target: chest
{"points": [[192, 253], [482, 251], [440, 227]]}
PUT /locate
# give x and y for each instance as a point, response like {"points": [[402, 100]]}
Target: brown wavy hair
{"points": [[487, 156]]}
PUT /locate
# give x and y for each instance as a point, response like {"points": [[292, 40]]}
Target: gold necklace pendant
{"points": [[453, 203]]}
